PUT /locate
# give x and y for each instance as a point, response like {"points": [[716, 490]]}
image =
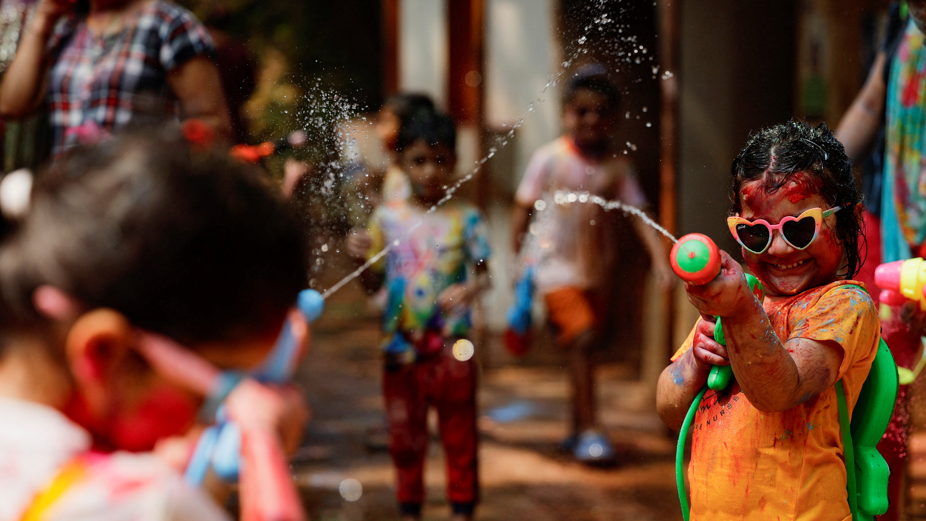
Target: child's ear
{"points": [[96, 345]]}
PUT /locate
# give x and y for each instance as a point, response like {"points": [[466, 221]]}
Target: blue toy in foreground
{"points": [[220, 445]]}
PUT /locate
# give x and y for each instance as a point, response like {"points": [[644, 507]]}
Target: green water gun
{"points": [[696, 259]]}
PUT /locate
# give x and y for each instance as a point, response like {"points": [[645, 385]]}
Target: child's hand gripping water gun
{"points": [[696, 260], [267, 491]]}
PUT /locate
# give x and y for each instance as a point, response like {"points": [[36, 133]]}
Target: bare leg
{"points": [[581, 369]]}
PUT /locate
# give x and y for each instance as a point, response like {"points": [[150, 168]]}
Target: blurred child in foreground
{"points": [[435, 269], [115, 256], [573, 245]]}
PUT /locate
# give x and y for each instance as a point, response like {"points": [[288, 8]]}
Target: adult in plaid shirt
{"points": [[121, 61]]}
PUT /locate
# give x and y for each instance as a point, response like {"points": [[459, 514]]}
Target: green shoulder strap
{"points": [[848, 450], [867, 472]]}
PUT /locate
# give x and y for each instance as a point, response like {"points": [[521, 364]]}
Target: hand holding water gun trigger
{"points": [[726, 294], [706, 350], [259, 422], [715, 283]]}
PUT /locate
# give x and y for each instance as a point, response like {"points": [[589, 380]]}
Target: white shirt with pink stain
{"points": [[574, 242], [37, 441]]}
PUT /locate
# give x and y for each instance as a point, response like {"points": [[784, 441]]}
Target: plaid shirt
{"points": [[103, 83]]}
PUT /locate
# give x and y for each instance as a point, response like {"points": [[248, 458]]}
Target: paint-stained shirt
{"points": [[748, 464], [572, 242], [429, 253]]}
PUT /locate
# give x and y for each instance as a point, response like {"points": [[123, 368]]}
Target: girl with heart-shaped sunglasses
{"points": [[770, 445]]}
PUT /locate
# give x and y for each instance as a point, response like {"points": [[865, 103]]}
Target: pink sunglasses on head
{"points": [[799, 232]]}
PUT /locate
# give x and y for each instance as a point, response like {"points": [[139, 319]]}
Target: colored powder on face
{"points": [[756, 194], [803, 186]]}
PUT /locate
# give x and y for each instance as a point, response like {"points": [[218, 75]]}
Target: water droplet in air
{"points": [[540, 205]]}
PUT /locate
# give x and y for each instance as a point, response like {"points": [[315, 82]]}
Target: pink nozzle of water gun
{"points": [[887, 276], [892, 298]]}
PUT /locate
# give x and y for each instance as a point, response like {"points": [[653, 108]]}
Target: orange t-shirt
{"points": [[747, 464]]}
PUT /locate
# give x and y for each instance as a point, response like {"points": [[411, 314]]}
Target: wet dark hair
{"points": [[784, 150], [435, 128], [407, 105], [189, 244], [593, 77]]}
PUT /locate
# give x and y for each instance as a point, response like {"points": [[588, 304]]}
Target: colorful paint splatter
{"points": [[432, 257], [748, 464]]}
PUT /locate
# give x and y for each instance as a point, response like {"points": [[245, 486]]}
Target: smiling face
{"points": [[785, 270]]}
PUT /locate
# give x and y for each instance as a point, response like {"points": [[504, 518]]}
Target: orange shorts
{"points": [[571, 312]]}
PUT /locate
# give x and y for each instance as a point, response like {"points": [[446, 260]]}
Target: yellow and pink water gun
{"points": [[901, 281]]}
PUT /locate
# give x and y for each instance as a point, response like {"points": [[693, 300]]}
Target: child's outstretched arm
{"points": [[657, 252], [687, 375], [775, 376]]}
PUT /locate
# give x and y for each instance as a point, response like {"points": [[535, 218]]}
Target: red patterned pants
{"points": [[448, 385]]}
